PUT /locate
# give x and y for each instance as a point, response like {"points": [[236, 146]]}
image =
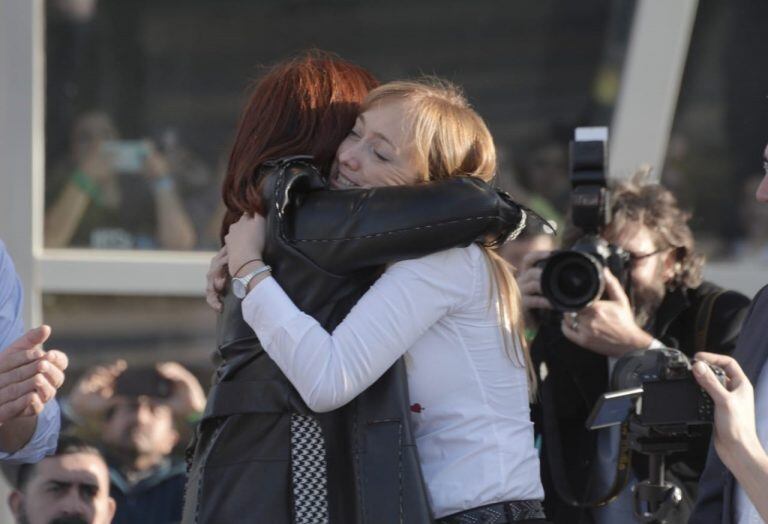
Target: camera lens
{"points": [[572, 280]]}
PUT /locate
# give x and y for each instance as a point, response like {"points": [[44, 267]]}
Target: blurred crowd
{"points": [[127, 426]]}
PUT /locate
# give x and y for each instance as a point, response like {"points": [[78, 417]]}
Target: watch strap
{"points": [[250, 276]]}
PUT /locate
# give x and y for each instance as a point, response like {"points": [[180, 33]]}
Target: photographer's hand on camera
{"points": [[187, 397], [93, 393], [735, 434], [608, 325], [529, 281]]}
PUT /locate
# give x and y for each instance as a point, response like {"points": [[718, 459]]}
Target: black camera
{"points": [[665, 410], [659, 385], [572, 279]]}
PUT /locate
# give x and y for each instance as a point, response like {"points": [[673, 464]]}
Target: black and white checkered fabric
{"points": [[309, 471]]}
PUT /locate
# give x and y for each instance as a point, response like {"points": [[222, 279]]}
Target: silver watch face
{"points": [[238, 287]]}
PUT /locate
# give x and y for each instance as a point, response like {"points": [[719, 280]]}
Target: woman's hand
{"points": [[216, 279], [245, 241]]}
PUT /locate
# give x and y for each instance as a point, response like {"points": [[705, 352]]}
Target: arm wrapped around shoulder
{"points": [[343, 231]]}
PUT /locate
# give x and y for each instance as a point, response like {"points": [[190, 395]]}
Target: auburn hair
{"points": [[304, 105]]}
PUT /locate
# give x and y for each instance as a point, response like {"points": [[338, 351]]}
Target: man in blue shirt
{"points": [[29, 378]]}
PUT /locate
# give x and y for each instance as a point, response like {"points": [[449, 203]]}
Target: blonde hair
{"points": [[452, 140]]}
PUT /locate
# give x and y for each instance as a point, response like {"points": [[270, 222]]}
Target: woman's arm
{"points": [[343, 231], [330, 369]]}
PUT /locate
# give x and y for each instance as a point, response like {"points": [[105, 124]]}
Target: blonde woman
{"points": [[455, 315]]}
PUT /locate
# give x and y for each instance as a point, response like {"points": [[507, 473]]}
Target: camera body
{"points": [[664, 411], [671, 396], [659, 385], [572, 279]]}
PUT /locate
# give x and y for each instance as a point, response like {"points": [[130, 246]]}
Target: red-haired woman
{"points": [[261, 454]]}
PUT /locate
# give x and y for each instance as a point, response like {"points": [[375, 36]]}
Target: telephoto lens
{"points": [[572, 280]]}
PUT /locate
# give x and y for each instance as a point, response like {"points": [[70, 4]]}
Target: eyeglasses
{"points": [[634, 259]]}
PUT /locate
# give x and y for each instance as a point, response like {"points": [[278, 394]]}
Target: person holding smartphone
{"points": [[100, 197]]}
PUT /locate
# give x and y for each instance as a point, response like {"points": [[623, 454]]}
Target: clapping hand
{"points": [[29, 376]]}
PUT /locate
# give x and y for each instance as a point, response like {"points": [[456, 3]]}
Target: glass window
{"points": [[143, 97], [96, 330], [714, 159]]}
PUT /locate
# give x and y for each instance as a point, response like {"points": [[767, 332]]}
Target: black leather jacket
{"points": [[326, 248]]}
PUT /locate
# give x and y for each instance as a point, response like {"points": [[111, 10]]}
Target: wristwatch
{"points": [[240, 284]]}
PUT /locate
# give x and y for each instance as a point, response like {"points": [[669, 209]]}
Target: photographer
{"points": [[736, 439], [668, 305], [137, 414], [94, 201], [737, 494]]}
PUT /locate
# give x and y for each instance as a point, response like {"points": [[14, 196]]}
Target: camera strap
{"points": [[703, 316], [553, 447]]}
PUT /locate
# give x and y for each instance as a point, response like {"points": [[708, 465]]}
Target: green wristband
{"points": [[194, 418], [86, 185]]}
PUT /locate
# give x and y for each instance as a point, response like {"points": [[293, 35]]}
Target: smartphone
{"points": [[143, 381], [127, 155]]}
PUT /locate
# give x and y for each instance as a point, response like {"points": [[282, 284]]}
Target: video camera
{"points": [[572, 279], [664, 408]]}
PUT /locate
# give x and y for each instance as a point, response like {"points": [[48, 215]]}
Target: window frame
{"points": [[643, 117]]}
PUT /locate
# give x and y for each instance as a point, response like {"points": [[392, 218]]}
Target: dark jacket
{"points": [[156, 499], [715, 502], [577, 377], [326, 248]]}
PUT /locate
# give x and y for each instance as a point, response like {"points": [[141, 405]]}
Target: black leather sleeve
{"points": [[346, 230]]}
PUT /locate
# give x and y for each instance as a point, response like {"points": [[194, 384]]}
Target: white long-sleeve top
{"points": [[470, 408]]}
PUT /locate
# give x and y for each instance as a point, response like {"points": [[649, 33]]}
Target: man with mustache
{"points": [[69, 487], [668, 305]]}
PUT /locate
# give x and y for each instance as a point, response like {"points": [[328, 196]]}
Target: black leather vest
{"points": [[326, 248]]}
